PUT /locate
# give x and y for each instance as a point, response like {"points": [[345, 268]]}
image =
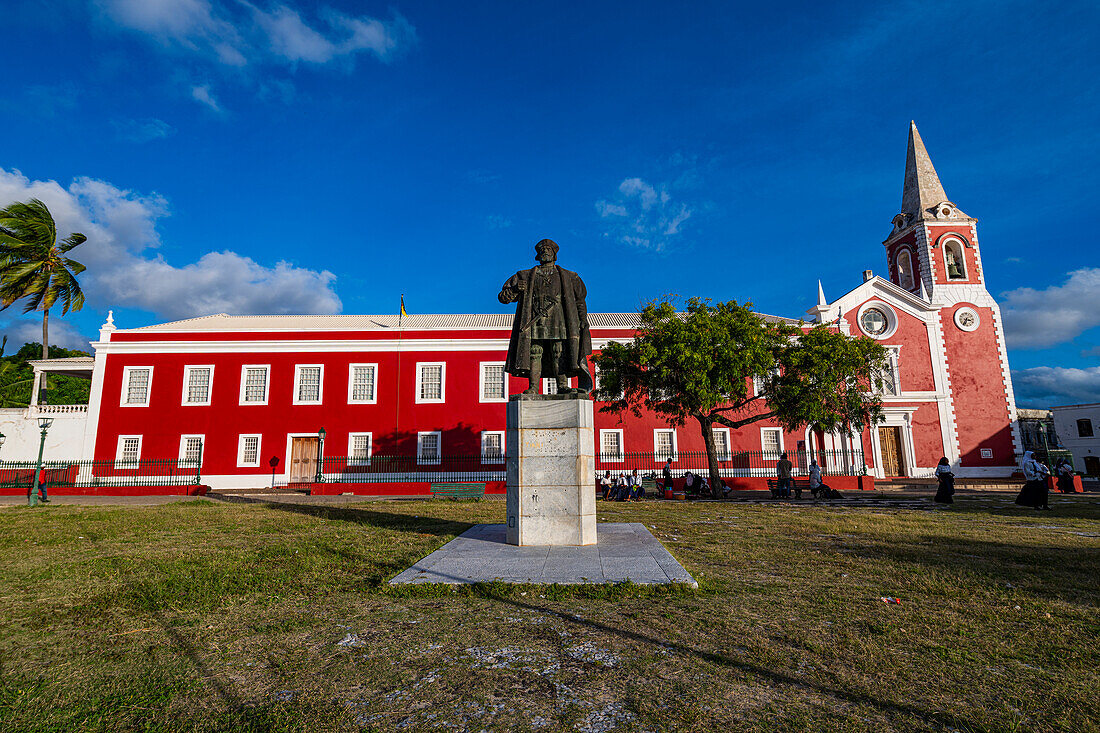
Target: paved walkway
{"points": [[623, 551]]}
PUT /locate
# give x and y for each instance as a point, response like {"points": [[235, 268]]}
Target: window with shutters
{"points": [[429, 447], [307, 384], [190, 451], [494, 382], [359, 449], [197, 384], [492, 446], [611, 446], [664, 445], [136, 382], [129, 452], [430, 381], [254, 378], [248, 450], [362, 384]]}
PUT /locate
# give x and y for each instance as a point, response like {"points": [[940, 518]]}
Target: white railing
{"points": [[34, 410]]}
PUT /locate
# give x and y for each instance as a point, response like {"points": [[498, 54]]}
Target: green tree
{"points": [[699, 365], [34, 265]]}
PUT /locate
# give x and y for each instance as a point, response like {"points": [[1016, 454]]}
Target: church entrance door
{"points": [[890, 444], [303, 460]]}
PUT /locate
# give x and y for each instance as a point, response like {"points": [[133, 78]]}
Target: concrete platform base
{"points": [[482, 554]]}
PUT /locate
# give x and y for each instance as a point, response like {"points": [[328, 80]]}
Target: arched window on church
{"points": [[905, 269], [953, 260]]}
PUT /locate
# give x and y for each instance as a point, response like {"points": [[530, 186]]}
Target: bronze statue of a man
{"points": [[550, 335]]}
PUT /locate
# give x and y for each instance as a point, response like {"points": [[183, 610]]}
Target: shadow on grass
{"points": [[382, 520]]}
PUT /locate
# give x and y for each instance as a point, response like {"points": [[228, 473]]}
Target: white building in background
{"points": [[1079, 428], [68, 426]]}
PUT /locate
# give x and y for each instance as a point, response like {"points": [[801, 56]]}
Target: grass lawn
{"points": [[211, 616]]}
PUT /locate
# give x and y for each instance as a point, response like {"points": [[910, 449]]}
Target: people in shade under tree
{"points": [[666, 474], [1034, 493], [946, 479], [814, 478], [783, 468]]}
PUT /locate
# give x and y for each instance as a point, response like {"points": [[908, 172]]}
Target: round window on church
{"points": [[873, 322]]}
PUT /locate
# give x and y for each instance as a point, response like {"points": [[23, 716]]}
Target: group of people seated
{"points": [[624, 487]]}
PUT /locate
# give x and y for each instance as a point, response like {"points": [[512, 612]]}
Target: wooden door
{"points": [[890, 445], [303, 460]]}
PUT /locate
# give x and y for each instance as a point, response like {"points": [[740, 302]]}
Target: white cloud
{"points": [[1036, 319], [1050, 386], [241, 33], [643, 215], [27, 329], [203, 95], [143, 131], [123, 271]]}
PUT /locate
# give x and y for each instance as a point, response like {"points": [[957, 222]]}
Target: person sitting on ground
{"points": [[783, 469], [815, 478], [947, 482], [689, 482], [1064, 472], [606, 484]]}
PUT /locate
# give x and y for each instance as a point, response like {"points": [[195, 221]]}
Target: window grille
{"points": [[362, 383], [309, 384], [664, 444], [359, 453], [137, 387], [427, 448], [611, 445], [198, 385], [722, 444], [191, 454], [250, 450], [431, 382], [770, 443], [255, 384], [492, 447], [492, 382], [129, 453]]}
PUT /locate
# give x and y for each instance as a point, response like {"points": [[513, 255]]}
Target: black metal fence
{"points": [[105, 473], [734, 464]]}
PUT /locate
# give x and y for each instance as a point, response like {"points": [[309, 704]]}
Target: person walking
{"points": [[947, 482], [667, 476], [783, 469], [1034, 493]]}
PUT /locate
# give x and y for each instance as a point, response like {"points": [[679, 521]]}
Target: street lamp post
{"points": [[1046, 450], [44, 423], [320, 455]]}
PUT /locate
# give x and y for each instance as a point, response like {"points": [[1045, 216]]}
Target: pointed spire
{"points": [[922, 190], [821, 295]]}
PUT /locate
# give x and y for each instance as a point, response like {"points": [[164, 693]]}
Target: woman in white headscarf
{"points": [[1034, 493]]}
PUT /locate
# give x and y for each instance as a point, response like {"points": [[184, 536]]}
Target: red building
{"points": [[233, 392]]}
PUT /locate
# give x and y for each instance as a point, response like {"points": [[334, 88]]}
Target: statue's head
{"points": [[546, 251]]}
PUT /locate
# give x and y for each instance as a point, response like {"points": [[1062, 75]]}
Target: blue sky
{"points": [[325, 157]]}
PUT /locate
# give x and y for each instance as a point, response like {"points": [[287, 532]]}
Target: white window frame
{"points": [[481, 382], [420, 460], [187, 382], [656, 449], [267, 382], [351, 385], [779, 432], [549, 383], [484, 454], [442, 383], [298, 383], [893, 355], [370, 444], [122, 465], [621, 457], [240, 449], [728, 455], [126, 371], [181, 462], [758, 383], [886, 310]]}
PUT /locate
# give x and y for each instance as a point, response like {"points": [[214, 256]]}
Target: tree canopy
{"points": [[722, 363]]}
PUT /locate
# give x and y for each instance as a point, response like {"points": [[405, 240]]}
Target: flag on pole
{"points": [[403, 313]]}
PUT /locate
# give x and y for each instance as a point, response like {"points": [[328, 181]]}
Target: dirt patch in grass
{"points": [[210, 616]]}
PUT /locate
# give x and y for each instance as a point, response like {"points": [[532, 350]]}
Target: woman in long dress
{"points": [[1034, 493], [1065, 477], [947, 482]]}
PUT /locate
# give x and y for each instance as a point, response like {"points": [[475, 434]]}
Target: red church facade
{"points": [[233, 392]]}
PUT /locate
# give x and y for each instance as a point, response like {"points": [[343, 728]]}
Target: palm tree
{"points": [[33, 264]]}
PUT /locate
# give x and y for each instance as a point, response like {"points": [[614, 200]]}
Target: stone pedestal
{"points": [[551, 466]]}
